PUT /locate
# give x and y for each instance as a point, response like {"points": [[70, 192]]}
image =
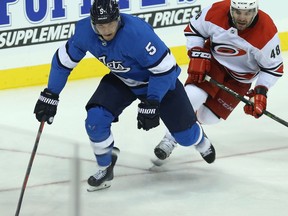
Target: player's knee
{"points": [[189, 137], [206, 116], [196, 95], [98, 123]]}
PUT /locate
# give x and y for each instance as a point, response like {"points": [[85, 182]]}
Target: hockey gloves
{"points": [[199, 64], [46, 106], [148, 114], [258, 96]]}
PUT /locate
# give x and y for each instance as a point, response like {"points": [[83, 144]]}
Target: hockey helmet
{"points": [[104, 11], [244, 4]]}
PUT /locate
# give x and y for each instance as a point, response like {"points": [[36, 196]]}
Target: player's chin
{"points": [[241, 26], [108, 37]]}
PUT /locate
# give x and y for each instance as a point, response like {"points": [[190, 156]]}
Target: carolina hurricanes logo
{"points": [[227, 50]]}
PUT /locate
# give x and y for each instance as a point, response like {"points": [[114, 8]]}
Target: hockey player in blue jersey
{"points": [[141, 67]]}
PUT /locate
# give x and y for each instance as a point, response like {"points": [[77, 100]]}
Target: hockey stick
{"points": [[243, 99], [29, 167]]}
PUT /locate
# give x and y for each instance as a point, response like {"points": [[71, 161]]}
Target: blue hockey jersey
{"points": [[136, 55]]}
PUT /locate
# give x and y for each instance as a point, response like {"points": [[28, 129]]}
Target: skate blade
{"points": [[158, 162], [100, 187]]}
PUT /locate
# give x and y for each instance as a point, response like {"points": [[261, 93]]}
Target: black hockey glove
{"points": [[46, 106], [148, 114]]}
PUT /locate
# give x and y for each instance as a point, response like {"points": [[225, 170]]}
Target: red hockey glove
{"points": [[258, 95], [199, 63]]}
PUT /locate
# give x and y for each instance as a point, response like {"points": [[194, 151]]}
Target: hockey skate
{"points": [[102, 179], [164, 149], [206, 150]]}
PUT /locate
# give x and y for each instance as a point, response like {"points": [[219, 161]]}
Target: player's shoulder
{"points": [[134, 24], [83, 22], [136, 29], [84, 34], [265, 23], [83, 26], [261, 32], [221, 6], [217, 14]]}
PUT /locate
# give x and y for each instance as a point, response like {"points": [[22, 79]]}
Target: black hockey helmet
{"points": [[104, 11]]}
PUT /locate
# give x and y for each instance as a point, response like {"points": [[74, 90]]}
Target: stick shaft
{"points": [[29, 167], [243, 99]]}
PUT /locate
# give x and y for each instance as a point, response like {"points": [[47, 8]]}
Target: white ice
{"points": [[249, 176]]}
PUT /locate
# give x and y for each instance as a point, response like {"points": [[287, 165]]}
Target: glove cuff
{"points": [[260, 89], [48, 93], [152, 102], [199, 49], [49, 97]]}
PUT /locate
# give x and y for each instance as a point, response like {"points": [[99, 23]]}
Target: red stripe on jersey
{"points": [[188, 29], [280, 70], [241, 76]]}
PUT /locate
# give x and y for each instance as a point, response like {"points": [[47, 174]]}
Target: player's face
{"points": [[242, 18], [107, 30]]}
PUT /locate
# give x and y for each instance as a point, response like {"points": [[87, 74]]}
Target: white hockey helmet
{"points": [[244, 4]]}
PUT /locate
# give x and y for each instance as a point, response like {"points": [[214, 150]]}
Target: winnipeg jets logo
{"points": [[115, 66]]}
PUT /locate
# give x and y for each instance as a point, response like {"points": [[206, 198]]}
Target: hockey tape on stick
{"points": [[243, 99], [29, 167]]}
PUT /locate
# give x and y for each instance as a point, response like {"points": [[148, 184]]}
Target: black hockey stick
{"points": [[243, 99], [29, 167]]}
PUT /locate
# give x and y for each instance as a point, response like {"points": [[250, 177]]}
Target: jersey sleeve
{"points": [[270, 62], [195, 32], [64, 61], [163, 76]]}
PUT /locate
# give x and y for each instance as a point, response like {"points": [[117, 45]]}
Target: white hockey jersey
{"points": [[253, 54]]}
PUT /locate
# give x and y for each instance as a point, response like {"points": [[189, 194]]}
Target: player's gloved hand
{"points": [[46, 106], [258, 96], [199, 63], [148, 114]]}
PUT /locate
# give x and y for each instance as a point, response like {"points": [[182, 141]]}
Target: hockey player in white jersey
{"points": [[141, 67], [236, 44]]}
